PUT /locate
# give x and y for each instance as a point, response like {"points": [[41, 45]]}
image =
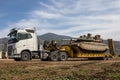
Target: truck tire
{"points": [[17, 59], [44, 57], [63, 56], [53, 56], [25, 56]]}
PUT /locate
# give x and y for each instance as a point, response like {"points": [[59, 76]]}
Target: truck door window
{"points": [[22, 36], [28, 36]]}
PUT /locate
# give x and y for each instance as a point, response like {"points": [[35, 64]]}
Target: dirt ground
{"points": [[73, 69]]}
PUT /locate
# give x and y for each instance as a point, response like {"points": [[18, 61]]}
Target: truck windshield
{"points": [[12, 37]]}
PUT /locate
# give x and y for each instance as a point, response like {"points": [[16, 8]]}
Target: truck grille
{"points": [[10, 49]]}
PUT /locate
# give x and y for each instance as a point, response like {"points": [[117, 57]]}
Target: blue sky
{"points": [[64, 17]]}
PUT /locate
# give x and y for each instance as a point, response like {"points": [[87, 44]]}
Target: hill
{"points": [[116, 45], [52, 36], [3, 44]]}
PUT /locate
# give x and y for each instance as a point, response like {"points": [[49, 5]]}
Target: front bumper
{"points": [[12, 52]]}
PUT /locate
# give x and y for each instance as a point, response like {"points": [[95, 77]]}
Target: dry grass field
{"points": [[73, 69]]}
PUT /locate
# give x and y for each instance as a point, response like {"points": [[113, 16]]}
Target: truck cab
{"points": [[22, 43]]}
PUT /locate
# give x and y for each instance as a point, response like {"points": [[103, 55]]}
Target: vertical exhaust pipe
{"points": [[111, 47]]}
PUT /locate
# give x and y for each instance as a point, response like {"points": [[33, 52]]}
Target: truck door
{"points": [[26, 41], [29, 42], [21, 44]]}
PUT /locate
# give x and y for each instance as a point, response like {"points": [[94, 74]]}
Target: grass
{"points": [[93, 70]]}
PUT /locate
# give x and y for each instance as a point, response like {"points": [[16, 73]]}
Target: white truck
{"points": [[23, 44]]}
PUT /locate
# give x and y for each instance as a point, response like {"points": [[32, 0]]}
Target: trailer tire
{"points": [[63, 56], [25, 56], [53, 56], [106, 58]]}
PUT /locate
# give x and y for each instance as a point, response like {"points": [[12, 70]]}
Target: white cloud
{"points": [[4, 32], [105, 17], [74, 17], [43, 14]]}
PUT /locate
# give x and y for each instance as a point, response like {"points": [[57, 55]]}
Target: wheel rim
{"points": [[54, 56], [25, 56], [63, 56]]}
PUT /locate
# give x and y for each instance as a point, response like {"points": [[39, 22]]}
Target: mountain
{"points": [[3, 44], [3, 40], [52, 36], [116, 46]]}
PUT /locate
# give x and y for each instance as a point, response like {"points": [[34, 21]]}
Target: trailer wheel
{"points": [[106, 58], [53, 56], [25, 56], [63, 56], [17, 59]]}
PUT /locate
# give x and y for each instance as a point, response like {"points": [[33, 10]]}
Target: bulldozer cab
{"points": [[51, 45]]}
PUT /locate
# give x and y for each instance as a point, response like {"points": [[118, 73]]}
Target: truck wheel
{"points": [[25, 56], [17, 59], [63, 56], [53, 56], [44, 57]]}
